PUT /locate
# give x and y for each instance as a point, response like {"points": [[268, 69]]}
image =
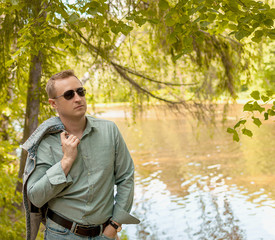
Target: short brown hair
{"points": [[61, 75]]}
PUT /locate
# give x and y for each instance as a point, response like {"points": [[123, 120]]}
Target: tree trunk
{"points": [[32, 108]]}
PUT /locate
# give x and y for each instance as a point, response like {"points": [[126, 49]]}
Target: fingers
{"points": [[73, 139], [63, 136], [67, 139]]}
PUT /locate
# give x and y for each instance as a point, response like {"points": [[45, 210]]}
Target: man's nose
{"points": [[77, 97]]}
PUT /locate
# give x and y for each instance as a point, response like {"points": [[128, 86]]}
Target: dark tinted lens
{"points": [[81, 91], [69, 94]]}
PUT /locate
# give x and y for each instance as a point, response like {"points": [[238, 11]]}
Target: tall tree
{"points": [[207, 34]]}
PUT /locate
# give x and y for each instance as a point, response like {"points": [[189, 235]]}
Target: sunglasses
{"points": [[68, 95]]}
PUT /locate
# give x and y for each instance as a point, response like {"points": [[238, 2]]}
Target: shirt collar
{"points": [[90, 124]]}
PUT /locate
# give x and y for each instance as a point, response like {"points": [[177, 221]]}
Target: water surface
{"points": [[195, 183]]}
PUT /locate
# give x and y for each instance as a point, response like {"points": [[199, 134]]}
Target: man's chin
{"points": [[76, 116]]}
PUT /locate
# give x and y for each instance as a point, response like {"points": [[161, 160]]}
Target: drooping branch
{"points": [[138, 74], [152, 80], [122, 70], [139, 88]]}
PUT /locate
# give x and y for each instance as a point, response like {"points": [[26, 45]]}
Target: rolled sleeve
{"points": [[48, 178], [57, 176], [123, 217]]}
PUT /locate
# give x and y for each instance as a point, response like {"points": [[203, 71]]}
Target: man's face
{"points": [[74, 108]]}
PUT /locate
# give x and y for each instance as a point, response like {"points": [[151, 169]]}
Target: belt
{"points": [[79, 229]]}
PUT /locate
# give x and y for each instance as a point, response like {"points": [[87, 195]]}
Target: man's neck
{"points": [[75, 126]]}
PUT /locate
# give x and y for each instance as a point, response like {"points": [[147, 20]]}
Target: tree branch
{"points": [[150, 79], [122, 71], [139, 88]]}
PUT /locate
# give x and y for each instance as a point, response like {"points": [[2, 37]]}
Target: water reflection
{"points": [[201, 188]]}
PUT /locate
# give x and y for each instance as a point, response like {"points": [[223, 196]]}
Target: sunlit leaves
{"points": [[264, 98], [268, 22], [172, 38], [171, 18], [257, 121], [239, 123], [139, 20], [241, 34], [163, 4], [269, 93], [124, 28], [247, 132], [235, 134], [255, 95], [73, 18], [252, 107]]}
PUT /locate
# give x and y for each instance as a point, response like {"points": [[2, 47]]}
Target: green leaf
{"points": [[94, 4], [194, 10], [169, 20], [171, 39], [92, 11], [125, 29], [259, 33], [255, 95], [265, 116], [106, 37], [183, 18], [257, 121], [57, 21], [269, 93], [204, 24], [176, 57], [187, 50], [9, 63], [271, 112], [271, 33], [163, 5], [115, 29], [239, 123], [236, 137], [257, 40], [268, 22], [140, 21], [211, 17], [131, 17], [248, 107], [73, 18], [112, 23], [241, 34], [73, 51], [154, 21], [247, 132], [264, 98], [258, 36], [232, 27], [231, 130], [257, 107], [255, 25]]}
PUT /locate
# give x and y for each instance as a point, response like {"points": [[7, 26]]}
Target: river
{"points": [[193, 182]]}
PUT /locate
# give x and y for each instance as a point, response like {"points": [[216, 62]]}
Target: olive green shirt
{"points": [[86, 195]]}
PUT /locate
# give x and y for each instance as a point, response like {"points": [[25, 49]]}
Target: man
{"points": [[76, 170]]}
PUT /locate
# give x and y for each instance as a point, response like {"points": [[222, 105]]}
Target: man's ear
{"points": [[52, 102]]}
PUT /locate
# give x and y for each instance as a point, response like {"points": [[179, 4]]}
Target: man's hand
{"points": [[110, 232], [69, 147]]}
